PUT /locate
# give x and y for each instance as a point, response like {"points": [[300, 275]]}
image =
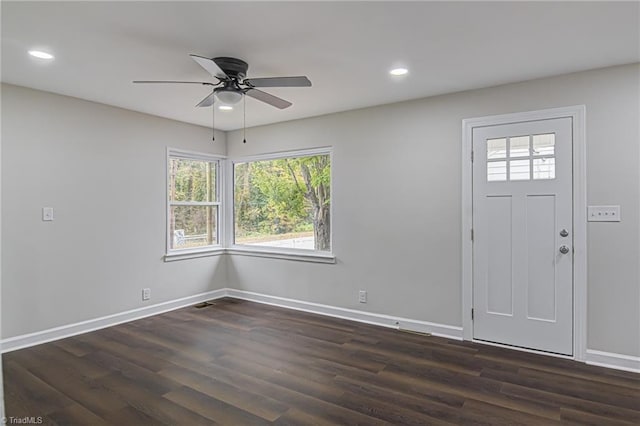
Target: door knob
{"points": [[564, 249], [564, 233]]}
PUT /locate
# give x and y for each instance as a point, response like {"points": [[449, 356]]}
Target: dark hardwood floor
{"points": [[240, 363]]}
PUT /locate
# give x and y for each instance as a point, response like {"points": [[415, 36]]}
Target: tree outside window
{"points": [[284, 202]]}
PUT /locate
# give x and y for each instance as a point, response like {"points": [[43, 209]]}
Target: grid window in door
{"points": [[521, 158]]}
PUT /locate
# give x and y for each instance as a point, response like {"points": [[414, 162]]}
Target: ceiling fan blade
{"points": [[211, 67], [207, 102], [268, 98], [171, 82], [298, 81]]}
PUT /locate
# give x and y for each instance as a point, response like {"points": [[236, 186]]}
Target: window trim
{"points": [[317, 256], [314, 256], [210, 250]]}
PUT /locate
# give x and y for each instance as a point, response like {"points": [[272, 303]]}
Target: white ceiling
{"points": [[345, 48]]}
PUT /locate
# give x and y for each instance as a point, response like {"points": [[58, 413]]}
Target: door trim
{"points": [[578, 115]]}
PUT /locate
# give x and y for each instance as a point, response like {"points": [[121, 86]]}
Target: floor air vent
{"points": [[419, 333]]}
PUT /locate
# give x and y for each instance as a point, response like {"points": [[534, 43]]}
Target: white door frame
{"points": [[578, 115]]}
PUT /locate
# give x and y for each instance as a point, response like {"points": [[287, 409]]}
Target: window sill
{"points": [[192, 254], [313, 257]]}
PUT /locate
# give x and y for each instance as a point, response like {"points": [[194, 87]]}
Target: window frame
{"points": [[275, 252], [209, 250]]}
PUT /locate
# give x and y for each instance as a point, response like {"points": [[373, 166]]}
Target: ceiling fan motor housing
{"points": [[234, 68]]}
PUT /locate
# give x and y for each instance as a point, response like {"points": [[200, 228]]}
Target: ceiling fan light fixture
{"points": [[228, 96], [225, 108]]}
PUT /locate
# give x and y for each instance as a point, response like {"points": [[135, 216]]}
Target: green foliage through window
{"points": [[193, 206], [284, 202]]}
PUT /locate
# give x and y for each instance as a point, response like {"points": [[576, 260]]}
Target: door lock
{"points": [[564, 249], [564, 233]]}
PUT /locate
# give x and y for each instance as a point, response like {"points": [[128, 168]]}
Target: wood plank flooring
{"points": [[241, 363]]}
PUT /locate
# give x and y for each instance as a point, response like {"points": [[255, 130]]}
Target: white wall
{"points": [[103, 171], [396, 206], [397, 192], [1, 369]]}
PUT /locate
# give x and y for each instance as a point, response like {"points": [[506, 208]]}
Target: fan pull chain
{"points": [[244, 118], [213, 119]]}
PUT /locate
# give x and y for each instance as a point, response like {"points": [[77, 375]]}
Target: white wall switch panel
{"points": [[47, 214], [603, 213]]}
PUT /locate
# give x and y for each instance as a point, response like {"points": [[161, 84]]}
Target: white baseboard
{"points": [[593, 357], [448, 331], [37, 338], [32, 339], [611, 360]]}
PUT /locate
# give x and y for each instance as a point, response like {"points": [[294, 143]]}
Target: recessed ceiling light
{"points": [[398, 71], [225, 108], [40, 54]]}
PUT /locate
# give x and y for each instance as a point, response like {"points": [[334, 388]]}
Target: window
{"points": [[283, 202], [193, 201], [530, 157]]}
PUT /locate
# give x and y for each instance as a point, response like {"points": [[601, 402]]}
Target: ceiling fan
{"points": [[232, 83]]}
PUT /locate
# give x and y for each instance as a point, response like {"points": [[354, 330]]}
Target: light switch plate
{"points": [[47, 214], [603, 213]]}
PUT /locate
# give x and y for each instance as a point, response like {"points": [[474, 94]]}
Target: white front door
{"points": [[523, 233]]}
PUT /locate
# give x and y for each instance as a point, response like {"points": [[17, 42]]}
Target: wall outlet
{"points": [[362, 296], [146, 293], [47, 214]]}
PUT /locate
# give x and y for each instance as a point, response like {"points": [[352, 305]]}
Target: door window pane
{"points": [[544, 144], [497, 171], [496, 148], [519, 170], [544, 168], [529, 157], [519, 146]]}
